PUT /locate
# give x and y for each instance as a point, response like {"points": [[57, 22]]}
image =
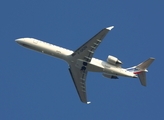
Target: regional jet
{"points": [[81, 61]]}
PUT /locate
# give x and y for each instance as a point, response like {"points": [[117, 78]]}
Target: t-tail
{"points": [[141, 70]]}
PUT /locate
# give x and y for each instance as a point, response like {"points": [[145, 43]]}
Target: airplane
{"points": [[81, 61]]}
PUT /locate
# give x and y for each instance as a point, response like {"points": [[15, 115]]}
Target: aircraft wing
{"points": [[80, 59], [79, 79], [86, 51]]}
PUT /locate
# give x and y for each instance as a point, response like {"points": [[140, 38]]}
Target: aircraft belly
{"points": [[95, 65], [50, 50], [94, 68], [117, 72]]}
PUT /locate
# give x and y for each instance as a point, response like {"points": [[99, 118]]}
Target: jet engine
{"points": [[113, 60]]}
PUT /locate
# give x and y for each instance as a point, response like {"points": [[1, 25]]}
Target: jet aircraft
{"points": [[81, 61]]}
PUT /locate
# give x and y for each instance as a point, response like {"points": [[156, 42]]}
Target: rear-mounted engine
{"points": [[113, 60]]}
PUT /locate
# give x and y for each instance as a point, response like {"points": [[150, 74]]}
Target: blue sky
{"points": [[34, 86]]}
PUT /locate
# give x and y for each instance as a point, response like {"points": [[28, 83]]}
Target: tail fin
{"points": [[141, 70], [142, 77]]}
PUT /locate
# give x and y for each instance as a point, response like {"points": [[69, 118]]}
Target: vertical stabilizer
{"points": [[142, 77]]}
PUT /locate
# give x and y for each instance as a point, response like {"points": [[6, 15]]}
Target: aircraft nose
{"points": [[19, 40]]}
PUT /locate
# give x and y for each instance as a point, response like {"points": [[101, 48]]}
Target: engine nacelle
{"points": [[113, 60]]}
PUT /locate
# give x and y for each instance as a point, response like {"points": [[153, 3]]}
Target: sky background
{"points": [[34, 86]]}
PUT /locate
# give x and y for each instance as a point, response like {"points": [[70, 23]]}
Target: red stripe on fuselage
{"points": [[137, 72]]}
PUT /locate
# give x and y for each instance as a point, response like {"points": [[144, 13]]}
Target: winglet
{"points": [[88, 102], [110, 28]]}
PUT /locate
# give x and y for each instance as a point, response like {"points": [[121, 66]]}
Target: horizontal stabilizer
{"points": [[146, 64]]}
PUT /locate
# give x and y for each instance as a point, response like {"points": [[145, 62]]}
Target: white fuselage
{"points": [[95, 65]]}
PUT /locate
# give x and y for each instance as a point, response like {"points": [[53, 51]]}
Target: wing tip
{"points": [[152, 58], [88, 103], [110, 28]]}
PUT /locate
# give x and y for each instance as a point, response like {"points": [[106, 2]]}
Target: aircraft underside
{"points": [[81, 61]]}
